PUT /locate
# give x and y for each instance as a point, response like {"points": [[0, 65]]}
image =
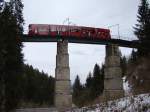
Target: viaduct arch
{"points": [[113, 84]]}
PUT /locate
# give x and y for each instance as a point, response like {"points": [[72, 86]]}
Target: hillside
{"points": [[138, 103], [138, 76]]}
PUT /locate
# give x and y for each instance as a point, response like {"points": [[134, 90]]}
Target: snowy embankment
{"points": [[138, 103]]}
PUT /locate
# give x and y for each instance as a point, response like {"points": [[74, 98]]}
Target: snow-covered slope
{"points": [[138, 103]]}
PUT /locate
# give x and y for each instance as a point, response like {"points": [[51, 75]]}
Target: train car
{"points": [[67, 30], [38, 29]]}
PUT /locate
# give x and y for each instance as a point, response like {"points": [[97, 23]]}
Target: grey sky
{"points": [[95, 13]]}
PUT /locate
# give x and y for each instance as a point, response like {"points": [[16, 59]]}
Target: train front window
{"points": [[30, 28]]}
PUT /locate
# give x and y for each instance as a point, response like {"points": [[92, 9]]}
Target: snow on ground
{"points": [[138, 103]]}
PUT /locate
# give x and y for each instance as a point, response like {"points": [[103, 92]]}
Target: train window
{"points": [[93, 31], [77, 30], [41, 29], [89, 34], [74, 30], [62, 29], [52, 29], [84, 32], [36, 31]]}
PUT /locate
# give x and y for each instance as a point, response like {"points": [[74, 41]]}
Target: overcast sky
{"points": [[94, 13]]}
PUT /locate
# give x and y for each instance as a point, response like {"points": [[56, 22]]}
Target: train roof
{"points": [[66, 26]]}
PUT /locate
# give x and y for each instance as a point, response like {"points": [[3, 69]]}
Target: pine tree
{"points": [[2, 64], [88, 83], [11, 29], [17, 7], [77, 90], [77, 86], [133, 57], [1, 5], [142, 28], [102, 77], [39, 87], [88, 87], [97, 82], [123, 64]]}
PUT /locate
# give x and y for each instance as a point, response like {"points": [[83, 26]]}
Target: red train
{"points": [[65, 30]]}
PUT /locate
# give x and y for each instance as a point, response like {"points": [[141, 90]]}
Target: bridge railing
{"points": [[123, 38]]}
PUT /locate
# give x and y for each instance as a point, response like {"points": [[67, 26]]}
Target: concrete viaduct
{"points": [[113, 84]]}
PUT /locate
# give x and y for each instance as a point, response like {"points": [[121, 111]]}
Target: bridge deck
{"points": [[119, 42]]}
